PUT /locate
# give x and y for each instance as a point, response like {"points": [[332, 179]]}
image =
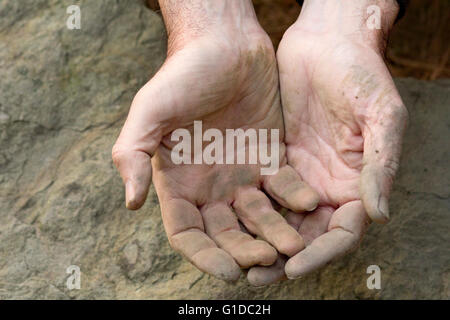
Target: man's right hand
{"points": [[221, 69]]}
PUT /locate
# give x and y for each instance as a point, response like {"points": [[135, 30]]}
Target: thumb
{"points": [[383, 131], [137, 143]]}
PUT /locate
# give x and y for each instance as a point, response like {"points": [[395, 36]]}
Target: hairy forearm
{"points": [[350, 18], [188, 19]]}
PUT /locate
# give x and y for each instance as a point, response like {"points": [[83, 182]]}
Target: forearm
{"points": [[188, 19], [350, 18]]}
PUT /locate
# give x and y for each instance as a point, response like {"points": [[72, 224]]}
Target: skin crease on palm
{"points": [[344, 123], [221, 69]]}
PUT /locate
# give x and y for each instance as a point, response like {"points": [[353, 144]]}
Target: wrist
{"points": [[226, 20], [366, 21]]}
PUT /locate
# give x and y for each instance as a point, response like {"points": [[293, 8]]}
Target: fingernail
{"points": [[130, 195], [383, 207]]}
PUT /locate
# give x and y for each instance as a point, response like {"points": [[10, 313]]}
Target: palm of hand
{"points": [[197, 200], [239, 92], [325, 119], [344, 121], [225, 100]]}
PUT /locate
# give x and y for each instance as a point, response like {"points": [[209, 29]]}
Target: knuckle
{"points": [[117, 154]]}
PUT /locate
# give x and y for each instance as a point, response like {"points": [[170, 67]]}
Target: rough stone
{"points": [[64, 95]]}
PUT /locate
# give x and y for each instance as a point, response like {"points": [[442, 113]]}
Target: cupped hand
{"points": [[225, 83], [344, 124]]}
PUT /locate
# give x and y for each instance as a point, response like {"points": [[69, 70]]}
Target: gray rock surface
{"points": [[64, 95]]}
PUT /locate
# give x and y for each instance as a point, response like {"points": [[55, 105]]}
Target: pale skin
{"points": [[221, 69], [343, 121]]}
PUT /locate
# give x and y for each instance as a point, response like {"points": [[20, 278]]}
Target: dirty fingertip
{"points": [[383, 208], [375, 202], [289, 242], [217, 263], [265, 252], [130, 196], [264, 276], [310, 199], [292, 269], [377, 208]]}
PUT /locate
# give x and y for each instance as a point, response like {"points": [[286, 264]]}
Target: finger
{"points": [[138, 141], [310, 226], [255, 212], [184, 227], [287, 188], [346, 228], [263, 276], [315, 224], [221, 224], [383, 133], [136, 171]]}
